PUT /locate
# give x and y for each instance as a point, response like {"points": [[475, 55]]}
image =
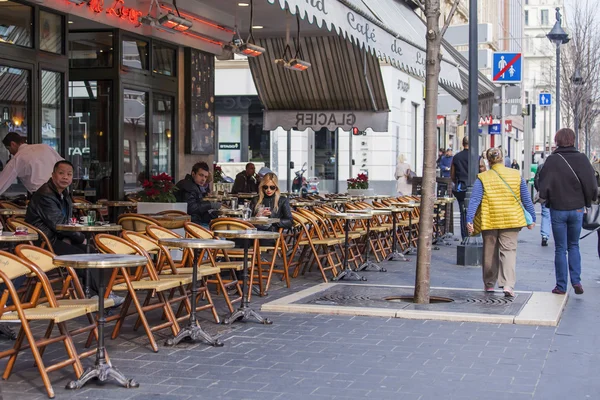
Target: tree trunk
{"points": [[428, 195]]}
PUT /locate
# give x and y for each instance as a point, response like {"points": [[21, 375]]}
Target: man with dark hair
{"points": [[246, 181], [31, 163], [459, 172], [192, 189]]}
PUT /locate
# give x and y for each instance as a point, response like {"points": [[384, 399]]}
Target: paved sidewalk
{"points": [[333, 357]]}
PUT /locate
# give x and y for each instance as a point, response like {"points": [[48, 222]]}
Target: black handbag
{"points": [[591, 219]]}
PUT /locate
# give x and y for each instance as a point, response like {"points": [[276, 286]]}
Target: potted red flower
{"points": [[359, 186], [158, 194]]}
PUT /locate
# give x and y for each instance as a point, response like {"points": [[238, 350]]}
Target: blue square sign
{"points": [[507, 68], [545, 99]]}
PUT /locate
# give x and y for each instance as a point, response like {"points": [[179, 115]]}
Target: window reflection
{"points": [[135, 54], [163, 60], [135, 139], [15, 23], [51, 27], [162, 135], [91, 49], [51, 109]]}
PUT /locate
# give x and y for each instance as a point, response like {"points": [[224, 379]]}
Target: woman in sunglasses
{"points": [[270, 203]]}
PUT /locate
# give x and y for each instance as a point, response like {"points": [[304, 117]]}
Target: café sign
{"points": [[316, 120]]}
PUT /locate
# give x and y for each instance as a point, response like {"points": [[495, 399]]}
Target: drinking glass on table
{"points": [[91, 218]]}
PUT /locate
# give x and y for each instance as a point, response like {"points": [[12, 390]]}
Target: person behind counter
{"points": [[246, 181]]}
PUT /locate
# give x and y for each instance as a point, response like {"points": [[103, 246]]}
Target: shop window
{"points": [[91, 49], [51, 108], [51, 29], [14, 102], [16, 23], [135, 138], [90, 136], [163, 59], [230, 138], [135, 54], [162, 134]]}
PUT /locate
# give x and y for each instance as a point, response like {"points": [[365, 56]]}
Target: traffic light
{"points": [[355, 131], [533, 116]]}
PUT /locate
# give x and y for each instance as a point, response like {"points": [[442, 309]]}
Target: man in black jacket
{"points": [[246, 181], [192, 189]]}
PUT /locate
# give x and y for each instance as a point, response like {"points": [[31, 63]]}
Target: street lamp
{"points": [[558, 36], [577, 81]]}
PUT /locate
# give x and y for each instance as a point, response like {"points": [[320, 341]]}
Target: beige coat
{"points": [[402, 187]]}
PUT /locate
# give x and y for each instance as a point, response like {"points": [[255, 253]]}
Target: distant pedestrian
{"points": [[446, 164], [546, 221], [496, 210], [459, 173], [515, 165], [568, 184], [483, 163], [402, 175]]}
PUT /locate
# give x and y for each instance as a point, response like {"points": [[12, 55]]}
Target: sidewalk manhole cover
{"points": [[411, 299]]}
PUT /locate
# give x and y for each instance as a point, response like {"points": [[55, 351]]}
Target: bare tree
{"points": [[583, 53], [431, 9]]}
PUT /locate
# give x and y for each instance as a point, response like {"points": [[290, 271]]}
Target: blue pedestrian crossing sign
{"points": [[507, 68], [545, 99]]}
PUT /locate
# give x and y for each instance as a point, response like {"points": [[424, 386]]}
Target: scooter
{"points": [[305, 186]]}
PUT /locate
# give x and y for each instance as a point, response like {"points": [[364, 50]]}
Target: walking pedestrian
{"points": [[459, 173], [402, 175], [446, 164], [497, 210], [546, 221], [567, 184], [515, 165]]}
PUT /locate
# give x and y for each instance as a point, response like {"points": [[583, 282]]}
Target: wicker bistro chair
{"points": [[143, 279], [136, 222], [14, 223], [379, 232], [167, 269], [157, 232], [9, 204], [319, 248], [29, 310]]}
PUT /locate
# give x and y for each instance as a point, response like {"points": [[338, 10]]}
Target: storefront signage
{"points": [[117, 9], [332, 120], [229, 146], [78, 151], [403, 86], [364, 29]]}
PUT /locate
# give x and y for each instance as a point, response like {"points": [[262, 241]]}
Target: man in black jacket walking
{"points": [[192, 189], [567, 184]]}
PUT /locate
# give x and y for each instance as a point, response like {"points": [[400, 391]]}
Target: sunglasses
{"points": [[265, 187]]}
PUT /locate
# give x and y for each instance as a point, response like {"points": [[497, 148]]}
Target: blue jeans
{"points": [[545, 228], [566, 227]]}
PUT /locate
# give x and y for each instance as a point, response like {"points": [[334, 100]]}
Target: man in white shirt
{"points": [[31, 163]]}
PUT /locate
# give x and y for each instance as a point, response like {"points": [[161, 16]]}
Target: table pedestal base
{"points": [[370, 264], [349, 275], [410, 251], [103, 371], [396, 256], [194, 332], [245, 313]]}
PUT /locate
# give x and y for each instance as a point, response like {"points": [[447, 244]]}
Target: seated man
{"points": [[246, 181], [192, 189]]}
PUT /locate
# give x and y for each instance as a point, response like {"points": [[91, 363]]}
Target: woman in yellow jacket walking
{"points": [[497, 210]]}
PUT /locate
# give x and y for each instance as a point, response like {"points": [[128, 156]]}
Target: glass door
{"points": [[326, 165], [135, 139]]}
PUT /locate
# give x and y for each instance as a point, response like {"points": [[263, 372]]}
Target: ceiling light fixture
{"points": [[257, 27], [243, 4]]}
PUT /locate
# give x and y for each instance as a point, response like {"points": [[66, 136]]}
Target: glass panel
{"points": [[230, 138], [325, 160], [14, 103], [90, 136], [162, 135], [51, 28], [51, 109], [91, 49], [135, 54], [15, 23], [135, 139], [163, 60]]}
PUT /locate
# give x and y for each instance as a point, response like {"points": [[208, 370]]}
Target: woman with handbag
{"points": [[568, 184], [499, 207]]}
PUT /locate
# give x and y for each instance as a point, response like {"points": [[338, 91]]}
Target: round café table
{"points": [[10, 239], [262, 221], [395, 255], [368, 263], [13, 211], [172, 221], [245, 312], [193, 329], [103, 369], [347, 272], [231, 213], [89, 231], [116, 206]]}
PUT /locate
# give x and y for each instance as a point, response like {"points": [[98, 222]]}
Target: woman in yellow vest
{"points": [[497, 210]]}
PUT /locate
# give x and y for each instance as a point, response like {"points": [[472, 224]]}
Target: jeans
{"points": [[545, 228], [460, 197], [566, 228]]}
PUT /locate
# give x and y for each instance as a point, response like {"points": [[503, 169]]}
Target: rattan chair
{"points": [[136, 222]]}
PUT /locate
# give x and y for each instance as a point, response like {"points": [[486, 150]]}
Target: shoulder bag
{"points": [[528, 217], [591, 218]]}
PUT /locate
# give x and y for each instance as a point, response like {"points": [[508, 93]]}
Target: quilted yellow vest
{"points": [[499, 209]]}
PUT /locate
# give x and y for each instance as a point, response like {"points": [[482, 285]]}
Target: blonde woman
{"points": [[496, 210], [270, 203], [402, 171]]}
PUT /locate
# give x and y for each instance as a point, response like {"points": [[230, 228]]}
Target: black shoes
{"points": [[7, 331], [544, 242]]}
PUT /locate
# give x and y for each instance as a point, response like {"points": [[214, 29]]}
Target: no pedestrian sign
{"points": [[507, 68]]}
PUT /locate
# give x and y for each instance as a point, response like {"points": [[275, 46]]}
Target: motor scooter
{"points": [[305, 186]]}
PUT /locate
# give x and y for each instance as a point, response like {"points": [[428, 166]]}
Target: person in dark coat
{"points": [[246, 181], [567, 184], [192, 189], [446, 164]]}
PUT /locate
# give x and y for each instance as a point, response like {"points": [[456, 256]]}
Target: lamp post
{"points": [[558, 36], [577, 81]]}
